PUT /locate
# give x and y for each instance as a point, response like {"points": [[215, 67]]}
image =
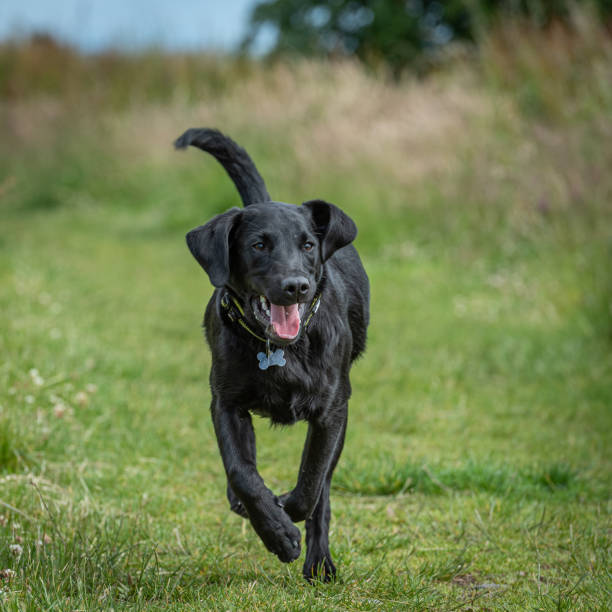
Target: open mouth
{"points": [[279, 321]]}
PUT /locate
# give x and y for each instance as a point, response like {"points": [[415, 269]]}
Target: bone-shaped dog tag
{"points": [[277, 358]]}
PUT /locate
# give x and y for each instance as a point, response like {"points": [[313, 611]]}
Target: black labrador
{"points": [[287, 318]]}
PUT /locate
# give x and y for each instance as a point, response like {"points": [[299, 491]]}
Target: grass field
{"points": [[477, 467]]}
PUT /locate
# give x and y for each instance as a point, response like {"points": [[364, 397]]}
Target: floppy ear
{"points": [[209, 244], [334, 228]]}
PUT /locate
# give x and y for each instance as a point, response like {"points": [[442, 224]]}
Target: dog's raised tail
{"points": [[236, 161]]}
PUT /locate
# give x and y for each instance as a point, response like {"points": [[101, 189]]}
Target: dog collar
{"points": [[235, 313]]}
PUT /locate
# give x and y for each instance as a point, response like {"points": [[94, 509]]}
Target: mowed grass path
{"points": [[476, 472]]}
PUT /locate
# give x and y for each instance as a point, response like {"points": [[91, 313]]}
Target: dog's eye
{"points": [[259, 246], [308, 246]]}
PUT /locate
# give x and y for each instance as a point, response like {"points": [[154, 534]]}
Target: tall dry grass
{"points": [[526, 124], [540, 87]]}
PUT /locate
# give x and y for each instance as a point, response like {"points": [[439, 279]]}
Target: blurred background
{"points": [[469, 140], [95, 26]]}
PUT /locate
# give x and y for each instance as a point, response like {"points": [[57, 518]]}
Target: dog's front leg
{"points": [[320, 449], [247, 439], [269, 520]]}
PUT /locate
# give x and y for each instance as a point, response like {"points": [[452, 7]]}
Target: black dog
{"points": [[288, 317]]}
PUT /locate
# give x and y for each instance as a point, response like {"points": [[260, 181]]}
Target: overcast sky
{"points": [[92, 25]]}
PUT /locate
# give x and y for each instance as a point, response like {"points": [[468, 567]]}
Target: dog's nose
{"points": [[296, 287]]}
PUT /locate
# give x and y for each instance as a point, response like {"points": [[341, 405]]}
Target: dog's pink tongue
{"points": [[285, 320]]}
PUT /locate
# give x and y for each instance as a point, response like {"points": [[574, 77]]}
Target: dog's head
{"points": [[271, 255]]}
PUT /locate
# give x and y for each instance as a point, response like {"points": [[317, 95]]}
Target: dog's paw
{"points": [[287, 546], [279, 535], [319, 568]]}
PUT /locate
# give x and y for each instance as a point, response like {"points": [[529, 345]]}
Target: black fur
{"points": [[270, 248]]}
